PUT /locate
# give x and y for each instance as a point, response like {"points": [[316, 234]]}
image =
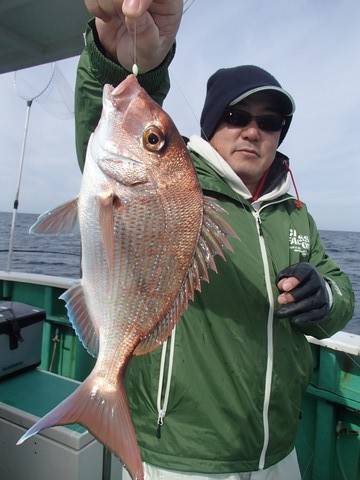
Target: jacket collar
{"points": [[277, 182]]}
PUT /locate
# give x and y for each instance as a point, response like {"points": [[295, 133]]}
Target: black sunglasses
{"points": [[268, 122]]}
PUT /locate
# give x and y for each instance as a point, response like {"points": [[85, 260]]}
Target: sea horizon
{"points": [[38, 214]]}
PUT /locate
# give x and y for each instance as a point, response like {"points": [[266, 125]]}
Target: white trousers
{"points": [[286, 469]]}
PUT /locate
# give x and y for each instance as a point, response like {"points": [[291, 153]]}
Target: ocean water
{"points": [[60, 255]]}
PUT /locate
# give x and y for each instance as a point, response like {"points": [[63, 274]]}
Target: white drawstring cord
{"points": [[162, 409]]}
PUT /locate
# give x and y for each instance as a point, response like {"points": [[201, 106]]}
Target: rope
{"points": [[55, 341]]}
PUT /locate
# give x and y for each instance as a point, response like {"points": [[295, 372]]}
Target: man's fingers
{"points": [[288, 283], [285, 298], [135, 8], [104, 9]]}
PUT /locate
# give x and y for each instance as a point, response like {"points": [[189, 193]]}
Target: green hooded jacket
{"points": [[239, 373]]}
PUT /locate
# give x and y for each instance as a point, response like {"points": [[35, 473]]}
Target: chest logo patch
{"points": [[299, 243]]}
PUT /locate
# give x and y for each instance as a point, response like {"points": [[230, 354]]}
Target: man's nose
{"points": [[251, 131]]}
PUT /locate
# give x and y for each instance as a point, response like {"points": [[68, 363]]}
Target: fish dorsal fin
{"points": [[80, 319], [212, 241], [63, 219]]}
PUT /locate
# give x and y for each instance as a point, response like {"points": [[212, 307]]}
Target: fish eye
{"points": [[153, 139]]}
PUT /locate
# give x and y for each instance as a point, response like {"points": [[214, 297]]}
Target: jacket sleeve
{"points": [[343, 296], [94, 71]]}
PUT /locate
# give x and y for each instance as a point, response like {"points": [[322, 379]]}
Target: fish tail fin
{"points": [[103, 409]]}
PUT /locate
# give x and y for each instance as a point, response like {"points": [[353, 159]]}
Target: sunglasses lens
{"points": [[270, 123], [267, 123], [237, 118]]}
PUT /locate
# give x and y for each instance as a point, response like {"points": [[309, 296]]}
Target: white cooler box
{"points": [[57, 453]]}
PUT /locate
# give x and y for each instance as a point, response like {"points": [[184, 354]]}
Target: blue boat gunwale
{"points": [[340, 341], [330, 414]]}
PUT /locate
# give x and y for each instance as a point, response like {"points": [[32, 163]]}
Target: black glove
{"points": [[312, 301]]}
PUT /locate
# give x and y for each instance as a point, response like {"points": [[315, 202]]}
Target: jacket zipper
{"points": [[270, 322], [270, 344]]}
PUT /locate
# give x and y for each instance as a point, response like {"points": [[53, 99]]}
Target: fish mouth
{"points": [[115, 145], [118, 108], [122, 95]]}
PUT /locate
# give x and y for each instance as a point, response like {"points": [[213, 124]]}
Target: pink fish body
{"points": [[148, 237]]}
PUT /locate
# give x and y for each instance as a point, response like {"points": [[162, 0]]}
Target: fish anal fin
{"points": [[80, 319], [212, 241], [63, 219], [102, 408]]}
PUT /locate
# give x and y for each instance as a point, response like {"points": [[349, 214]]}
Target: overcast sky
{"points": [[312, 47]]}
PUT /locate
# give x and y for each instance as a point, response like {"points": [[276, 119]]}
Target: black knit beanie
{"points": [[231, 85]]}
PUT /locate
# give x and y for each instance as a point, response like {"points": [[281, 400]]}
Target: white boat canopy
{"points": [[33, 32]]}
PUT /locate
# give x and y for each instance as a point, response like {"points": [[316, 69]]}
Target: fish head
{"points": [[135, 137]]}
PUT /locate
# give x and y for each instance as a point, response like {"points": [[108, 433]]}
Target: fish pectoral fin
{"points": [[108, 204], [133, 175], [102, 408], [212, 241], [63, 219], [80, 319]]}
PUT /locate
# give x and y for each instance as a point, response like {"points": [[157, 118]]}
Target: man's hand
{"points": [[305, 298], [156, 23]]}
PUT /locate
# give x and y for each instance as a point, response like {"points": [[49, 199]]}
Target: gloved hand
{"points": [[305, 298]]}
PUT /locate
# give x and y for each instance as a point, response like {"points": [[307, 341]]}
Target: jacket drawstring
{"points": [[298, 202], [162, 408], [260, 186]]}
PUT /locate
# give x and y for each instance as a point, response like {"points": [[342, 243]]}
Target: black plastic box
{"points": [[20, 337]]}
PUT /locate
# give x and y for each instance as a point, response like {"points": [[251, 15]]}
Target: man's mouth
{"points": [[248, 151]]}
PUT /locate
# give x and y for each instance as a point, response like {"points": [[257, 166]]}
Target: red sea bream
{"points": [[148, 237]]}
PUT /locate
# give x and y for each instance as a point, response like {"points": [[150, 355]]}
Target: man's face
{"points": [[248, 150]]}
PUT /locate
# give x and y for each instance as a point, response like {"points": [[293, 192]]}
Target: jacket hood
{"points": [[277, 182]]}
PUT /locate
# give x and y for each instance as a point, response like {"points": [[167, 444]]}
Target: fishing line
{"points": [[197, 119], [135, 68], [187, 5]]}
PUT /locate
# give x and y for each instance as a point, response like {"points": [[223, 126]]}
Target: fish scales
{"points": [[148, 237]]}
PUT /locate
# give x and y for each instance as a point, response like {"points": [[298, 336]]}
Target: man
{"points": [[241, 362]]}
